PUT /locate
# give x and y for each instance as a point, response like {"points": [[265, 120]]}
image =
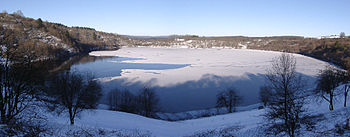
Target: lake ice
{"points": [[188, 79]]}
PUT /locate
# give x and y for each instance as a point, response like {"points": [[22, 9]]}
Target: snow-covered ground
{"points": [[218, 62], [246, 123], [126, 122], [209, 71]]}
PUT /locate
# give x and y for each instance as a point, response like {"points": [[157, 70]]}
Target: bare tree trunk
{"points": [[345, 94], [71, 120], [230, 105], [331, 101], [3, 118], [285, 108], [71, 117]]}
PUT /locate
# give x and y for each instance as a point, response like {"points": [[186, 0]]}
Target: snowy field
{"points": [[205, 73]]}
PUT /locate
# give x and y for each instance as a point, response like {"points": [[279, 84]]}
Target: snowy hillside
{"points": [[246, 123]]}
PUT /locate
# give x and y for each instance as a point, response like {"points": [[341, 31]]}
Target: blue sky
{"points": [[199, 17]]}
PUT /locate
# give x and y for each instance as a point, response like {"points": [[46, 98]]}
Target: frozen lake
{"points": [[189, 79]]}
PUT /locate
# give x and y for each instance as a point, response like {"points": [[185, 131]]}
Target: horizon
{"points": [[203, 18]]}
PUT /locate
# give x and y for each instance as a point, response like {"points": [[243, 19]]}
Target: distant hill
{"points": [[57, 39], [147, 37]]}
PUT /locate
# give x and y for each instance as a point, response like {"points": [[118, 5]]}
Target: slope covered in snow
{"points": [[246, 123]]}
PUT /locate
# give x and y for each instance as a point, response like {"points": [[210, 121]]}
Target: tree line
{"points": [[144, 103]]}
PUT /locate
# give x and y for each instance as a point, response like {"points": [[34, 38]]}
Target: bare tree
{"points": [[16, 86], [114, 99], [344, 79], [285, 108], [128, 102], [342, 35], [148, 102], [145, 103], [72, 93], [264, 94], [228, 99], [328, 80]]}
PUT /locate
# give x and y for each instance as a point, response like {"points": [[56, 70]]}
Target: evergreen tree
{"points": [[39, 23]]}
